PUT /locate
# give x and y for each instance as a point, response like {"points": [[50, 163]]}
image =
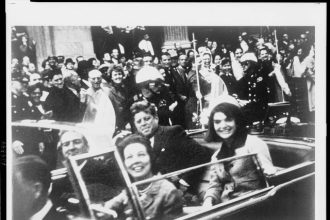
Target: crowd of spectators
{"points": [[157, 98], [256, 72]]}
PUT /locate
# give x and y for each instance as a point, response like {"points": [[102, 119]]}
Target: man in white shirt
{"points": [[99, 109]]}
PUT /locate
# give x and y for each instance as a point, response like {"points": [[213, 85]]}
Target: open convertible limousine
{"points": [[289, 194]]}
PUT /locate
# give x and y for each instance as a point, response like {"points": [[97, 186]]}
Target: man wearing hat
{"points": [[168, 68], [69, 64], [179, 74], [166, 71], [252, 93], [64, 102], [60, 62], [52, 61], [25, 84], [46, 82], [284, 42], [152, 87], [68, 67]]}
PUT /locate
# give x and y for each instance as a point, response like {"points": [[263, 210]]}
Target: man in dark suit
{"points": [[31, 184], [100, 174], [174, 150], [25, 141], [72, 86], [54, 101], [62, 100], [166, 70], [181, 84]]}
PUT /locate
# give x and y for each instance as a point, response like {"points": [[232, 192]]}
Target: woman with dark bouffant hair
{"points": [[227, 126], [159, 199], [119, 95]]}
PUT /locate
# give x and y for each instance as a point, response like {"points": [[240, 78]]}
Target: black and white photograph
{"points": [[147, 111]]}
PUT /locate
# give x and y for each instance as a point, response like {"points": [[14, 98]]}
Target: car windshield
{"points": [[97, 179], [100, 179]]}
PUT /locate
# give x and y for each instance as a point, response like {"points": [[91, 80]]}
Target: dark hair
{"points": [[52, 58], [143, 106], [304, 52], [45, 74], [137, 54], [60, 59], [31, 88], [33, 168], [225, 60], [43, 64], [90, 63], [83, 69], [147, 54], [115, 68], [135, 138], [232, 112], [139, 62], [54, 72]]}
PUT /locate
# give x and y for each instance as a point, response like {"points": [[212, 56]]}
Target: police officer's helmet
{"points": [[148, 75]]}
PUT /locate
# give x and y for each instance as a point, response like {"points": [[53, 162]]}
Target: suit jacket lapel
{"points": [[182, 74], [158, 140]]}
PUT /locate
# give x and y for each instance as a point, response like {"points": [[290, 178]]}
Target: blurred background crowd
{"points": [[258, 69]]}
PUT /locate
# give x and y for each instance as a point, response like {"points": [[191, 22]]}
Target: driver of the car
{"points": [[96, 172], [73, 143]]}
